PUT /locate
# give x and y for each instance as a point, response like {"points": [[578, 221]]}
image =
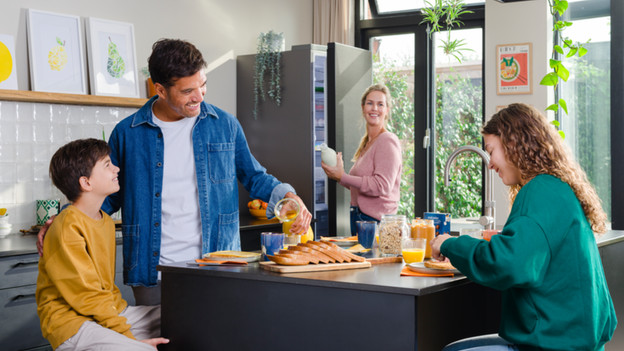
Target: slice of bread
{"points": [[439, 265]]}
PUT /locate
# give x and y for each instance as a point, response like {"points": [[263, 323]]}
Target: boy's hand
{"points": [[155, 341], [42, 233]]}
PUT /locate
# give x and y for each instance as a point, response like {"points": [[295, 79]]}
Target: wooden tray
{"points": [[273, 267]]}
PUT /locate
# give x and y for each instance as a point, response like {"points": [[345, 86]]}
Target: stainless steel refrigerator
{"points": [[321, 87]]}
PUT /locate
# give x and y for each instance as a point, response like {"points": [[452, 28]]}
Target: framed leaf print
{"points": [[112, 58]]}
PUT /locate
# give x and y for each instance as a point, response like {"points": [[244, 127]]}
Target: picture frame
{"points": [[8, 75], [55, 52], [112, 58], [513, 69]]}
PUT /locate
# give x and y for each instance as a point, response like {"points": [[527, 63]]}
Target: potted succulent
{"points": [[268, 56]]}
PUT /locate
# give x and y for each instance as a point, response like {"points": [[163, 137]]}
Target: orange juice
{"points": [[423, 228], [413, 255]]}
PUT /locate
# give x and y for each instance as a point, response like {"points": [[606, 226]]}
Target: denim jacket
{"points": [[221, 157]]}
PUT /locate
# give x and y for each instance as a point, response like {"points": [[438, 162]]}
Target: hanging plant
{"points": [[559, 71], [444, 15], [268, 57]]}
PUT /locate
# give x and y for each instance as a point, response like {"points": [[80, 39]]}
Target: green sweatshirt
{"points": [[547, 265]]}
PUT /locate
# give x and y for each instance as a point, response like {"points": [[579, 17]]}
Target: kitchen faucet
{"points": [[488, 219]]}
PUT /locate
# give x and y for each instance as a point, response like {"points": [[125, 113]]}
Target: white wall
{"points": [[513, 23], [222, 29]]}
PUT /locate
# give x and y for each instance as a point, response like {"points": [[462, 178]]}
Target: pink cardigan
{"points": [[375, 178]]}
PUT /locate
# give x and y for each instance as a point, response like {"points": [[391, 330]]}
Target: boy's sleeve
{"points": [[76, 277], [514, 258]]}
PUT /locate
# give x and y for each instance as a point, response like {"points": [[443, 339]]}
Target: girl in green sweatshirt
{"points": [[545, 261]]}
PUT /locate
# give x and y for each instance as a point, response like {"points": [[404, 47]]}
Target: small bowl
{"points": [[261, 213], [5, 230]]}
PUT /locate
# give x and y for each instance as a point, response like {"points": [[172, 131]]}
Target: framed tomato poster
{"points": [[514, 69]]}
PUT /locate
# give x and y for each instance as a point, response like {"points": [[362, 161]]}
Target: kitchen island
{"points": [[249, 308]]}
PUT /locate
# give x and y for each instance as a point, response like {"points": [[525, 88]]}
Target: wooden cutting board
{"points": [[273, 267], [380, 260]]}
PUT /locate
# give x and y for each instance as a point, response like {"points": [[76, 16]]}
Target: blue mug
{"points": [[366, 231], [271, 244]]}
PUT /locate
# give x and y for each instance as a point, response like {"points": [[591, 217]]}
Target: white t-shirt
{"points": [[181, 222]]}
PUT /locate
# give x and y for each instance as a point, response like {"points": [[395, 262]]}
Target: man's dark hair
{"points": [[172, 59], [74, 160]]}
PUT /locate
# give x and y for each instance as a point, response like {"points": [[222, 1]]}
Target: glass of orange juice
{"points": [[413, 249]]}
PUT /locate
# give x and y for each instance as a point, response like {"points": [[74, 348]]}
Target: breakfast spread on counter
{"points": [[314, 252]]}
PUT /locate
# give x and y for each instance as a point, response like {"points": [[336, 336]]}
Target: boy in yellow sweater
{"points": [[78, 303]]}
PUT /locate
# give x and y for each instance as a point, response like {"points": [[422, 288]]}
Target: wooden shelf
{"points": [[69, 99]]}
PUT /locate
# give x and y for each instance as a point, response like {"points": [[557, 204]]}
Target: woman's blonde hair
{"points": [[375, 87], [533, 145]]}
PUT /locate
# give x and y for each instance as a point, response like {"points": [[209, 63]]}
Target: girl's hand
{"points": [[436, 243]]}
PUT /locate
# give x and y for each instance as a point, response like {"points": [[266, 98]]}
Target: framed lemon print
{"points": [[514, 69], [55, 52], [8, 78], [112, 58]]}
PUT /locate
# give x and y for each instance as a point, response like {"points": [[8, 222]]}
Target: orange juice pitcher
{"points": [[287, 210]]}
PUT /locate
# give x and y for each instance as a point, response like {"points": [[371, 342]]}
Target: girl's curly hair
{"points": [[534, 147]]}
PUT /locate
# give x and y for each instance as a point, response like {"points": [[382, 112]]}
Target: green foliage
{"points": [[268, 59], [401, 123], [559, 71], [444, 15], [592, 114], [458, 122]]}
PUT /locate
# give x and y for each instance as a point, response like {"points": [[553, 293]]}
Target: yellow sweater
{"points": [[76, 281]]}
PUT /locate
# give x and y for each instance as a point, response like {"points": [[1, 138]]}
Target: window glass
{"points": [[386, 7], [587, 93], [458, 121], [393, 65]]}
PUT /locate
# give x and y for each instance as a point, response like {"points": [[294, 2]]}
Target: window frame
{"points": [[424, 80]]}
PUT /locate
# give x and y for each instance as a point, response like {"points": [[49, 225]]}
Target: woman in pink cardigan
{"points": [[375, 178]]}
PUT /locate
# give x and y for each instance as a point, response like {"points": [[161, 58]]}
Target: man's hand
{"points": [[42, 233], [302, 222]]}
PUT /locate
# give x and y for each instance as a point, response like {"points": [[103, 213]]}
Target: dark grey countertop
{"points": [[379, 278]]}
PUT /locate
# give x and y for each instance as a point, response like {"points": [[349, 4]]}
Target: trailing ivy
{"points": [[569, 49], [268, 61]]}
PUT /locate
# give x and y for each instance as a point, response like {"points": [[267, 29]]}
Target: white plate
{"points": [[419, 267], [246, 259]]}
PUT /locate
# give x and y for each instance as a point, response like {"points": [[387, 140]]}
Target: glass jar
{"points": [[392, 229]]}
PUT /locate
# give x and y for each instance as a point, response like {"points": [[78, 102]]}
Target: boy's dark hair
{"points": [[172, 59], [74, 160]]}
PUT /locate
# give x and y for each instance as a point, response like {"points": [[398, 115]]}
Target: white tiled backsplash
{"points": [[30, 133]]}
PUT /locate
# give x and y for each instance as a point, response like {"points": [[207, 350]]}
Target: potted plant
{"points": [[444, 15], [270, 46]]}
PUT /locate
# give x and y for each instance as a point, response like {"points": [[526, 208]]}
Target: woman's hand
{"points": [[155, 342], [436, 243], [302, 222], [337, 171]]}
